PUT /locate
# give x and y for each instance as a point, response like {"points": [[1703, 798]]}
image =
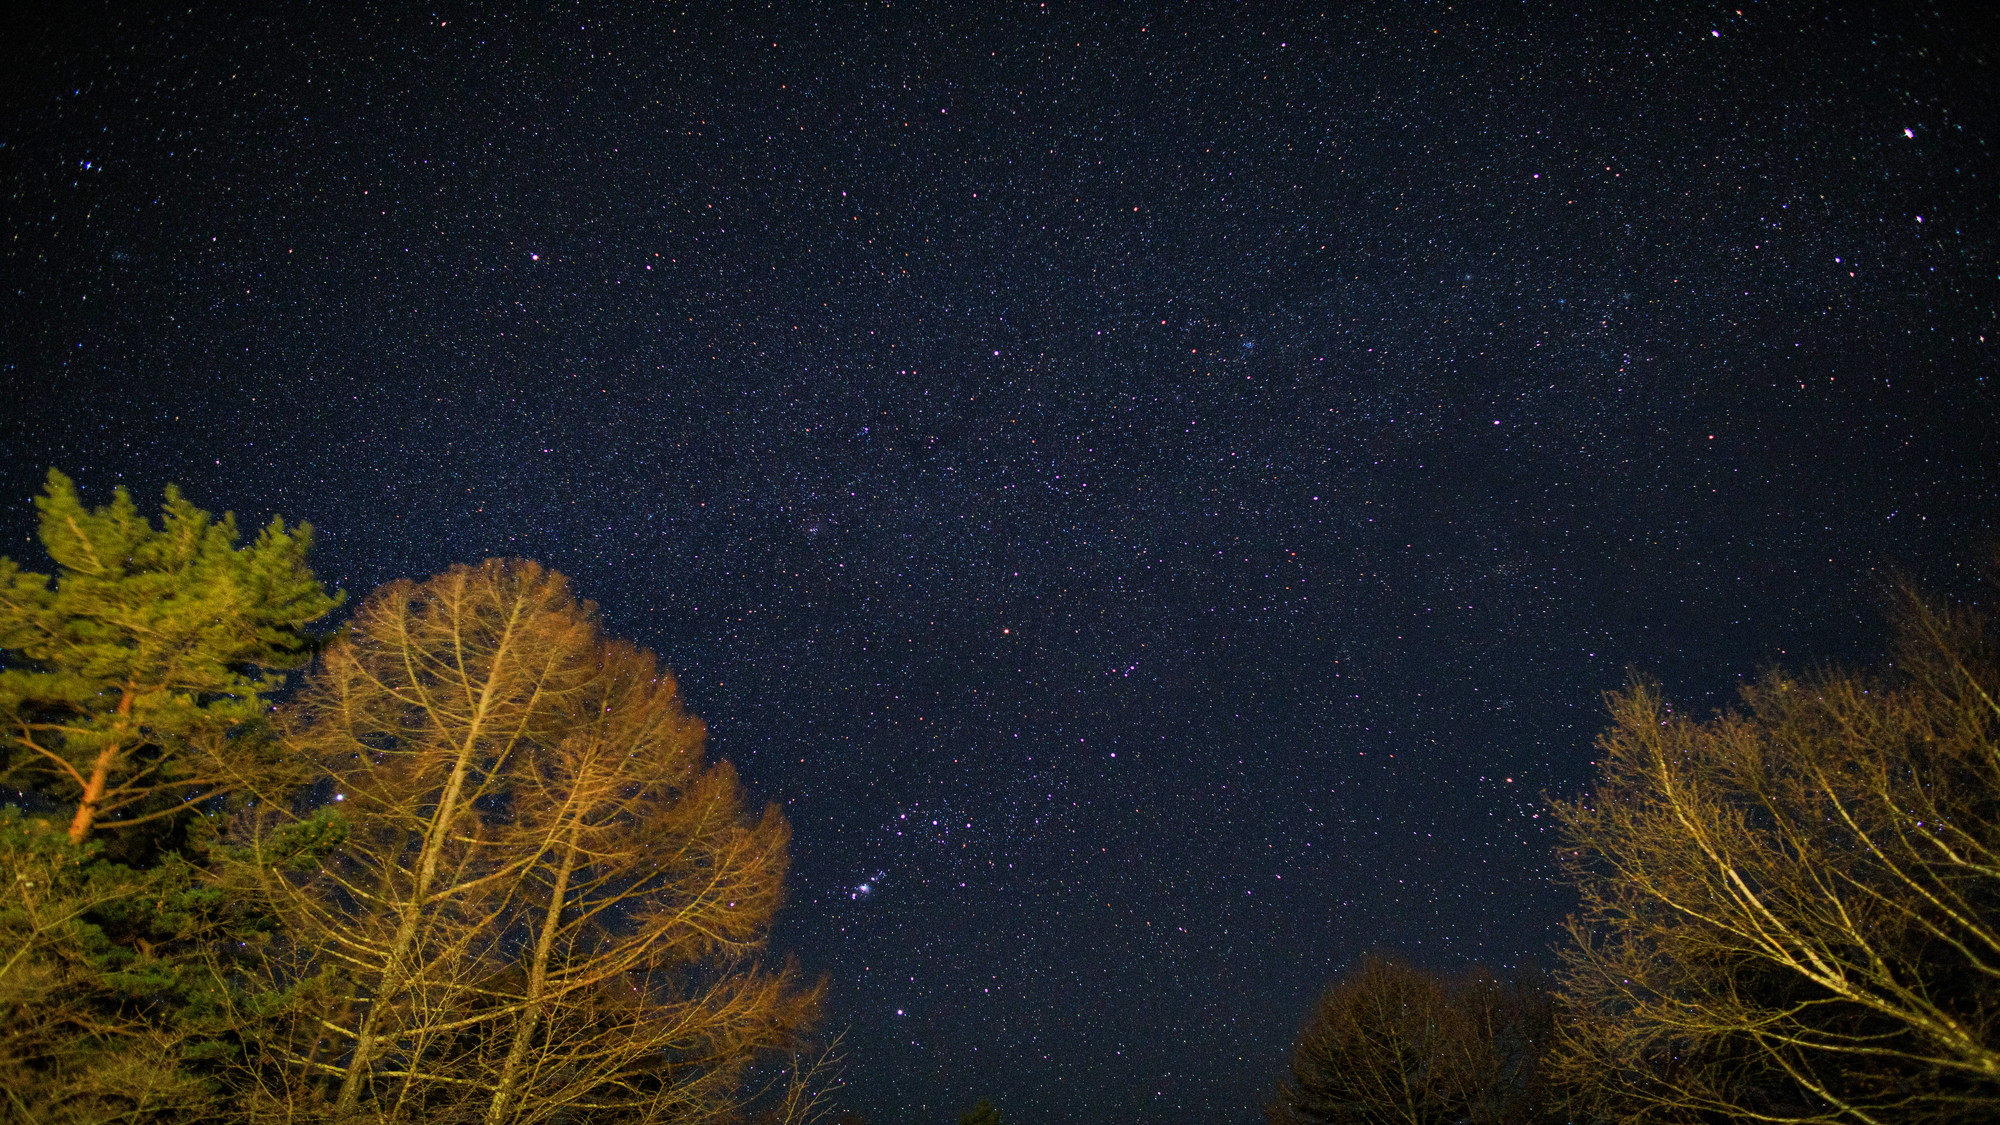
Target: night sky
{"points": [[1156, 491]]}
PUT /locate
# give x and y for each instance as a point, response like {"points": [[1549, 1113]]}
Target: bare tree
{"points": [[645, 870], [1390, 1044], [1792, 910], [549, 902]]}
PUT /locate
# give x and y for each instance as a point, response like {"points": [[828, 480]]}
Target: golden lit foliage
{"points": [[548, 902], [1792, 911]]}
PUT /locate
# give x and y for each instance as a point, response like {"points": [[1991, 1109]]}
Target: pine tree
{"points": [[132, 708], [135, 673], [82, 1036]]}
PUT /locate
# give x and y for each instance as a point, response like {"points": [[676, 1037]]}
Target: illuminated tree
{"points": [[132, 709], [133, 675], [83, 1037], [548, 903], [1791, 911]]}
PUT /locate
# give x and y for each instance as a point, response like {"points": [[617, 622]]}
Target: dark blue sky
{"points": [[1157, 493]]}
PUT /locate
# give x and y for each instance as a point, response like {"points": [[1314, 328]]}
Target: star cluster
{"points": [[1155, 492]]}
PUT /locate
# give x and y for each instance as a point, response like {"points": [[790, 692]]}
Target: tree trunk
{"points": [[393, 968], [100, 777], [538, 976]]}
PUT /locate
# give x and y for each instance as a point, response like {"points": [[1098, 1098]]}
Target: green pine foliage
{"points": [[96, 996], [137, 677], [135, 686]]}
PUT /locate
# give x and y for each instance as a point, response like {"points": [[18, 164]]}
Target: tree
{"points": [[133, 698], [1390, 1043], [82, 1039], [548, 903], [134, 675], [1791, 910], [982, 1113]]}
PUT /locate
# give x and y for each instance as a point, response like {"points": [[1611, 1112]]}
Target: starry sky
{"points": [[1156, 491]]}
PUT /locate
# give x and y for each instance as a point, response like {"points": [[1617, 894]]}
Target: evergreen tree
{"points": [[82, 983], [136, 677], [132, 707]]}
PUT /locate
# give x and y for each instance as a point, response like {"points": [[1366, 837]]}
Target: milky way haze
{"points": [[1156, 492]]}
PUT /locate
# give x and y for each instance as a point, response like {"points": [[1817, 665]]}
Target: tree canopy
{"points": [[1791, 911], [135, 671], [1391, 1044], [549, 902], [133, 708], [478, 866]]}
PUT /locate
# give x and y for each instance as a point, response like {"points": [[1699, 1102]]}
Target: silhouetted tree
{"points": [[1792, 910], [1390, 1043], [982, 1113], [548, 905]]}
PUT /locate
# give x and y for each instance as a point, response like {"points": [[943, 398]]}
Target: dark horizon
{"points": [[1157, 495]]}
